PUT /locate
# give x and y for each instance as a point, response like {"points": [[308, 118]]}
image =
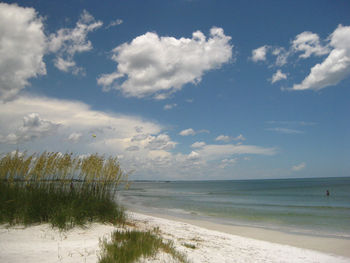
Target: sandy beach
{"points": [[200, 241]]}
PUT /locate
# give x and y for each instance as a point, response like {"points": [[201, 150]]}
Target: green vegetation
{"points": [[60, 189], [129, 246], [67, 191]]}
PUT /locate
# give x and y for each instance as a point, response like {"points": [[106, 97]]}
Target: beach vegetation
{"points": [[130, 246], [61, 189]]}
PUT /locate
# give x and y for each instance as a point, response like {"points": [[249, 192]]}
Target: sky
{"points": [[180, 90]]}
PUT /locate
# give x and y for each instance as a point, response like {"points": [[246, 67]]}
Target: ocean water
{"points": [[291, 205]]}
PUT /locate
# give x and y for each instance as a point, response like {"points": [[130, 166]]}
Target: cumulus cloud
{"points": [[75, 118], [160, 142], [69, 41], [33, 127], [259, 54], [279, 75], [22, 47], [335, 67], [157, 66], [309, 44], [193, 156], [299, 167]]}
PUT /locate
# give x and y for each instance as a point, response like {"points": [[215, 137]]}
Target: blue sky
{"points": [[180, 89]]}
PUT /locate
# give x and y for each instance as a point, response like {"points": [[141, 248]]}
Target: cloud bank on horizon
{"points": [[149, 67]]}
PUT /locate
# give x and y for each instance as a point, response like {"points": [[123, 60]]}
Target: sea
{"points": [[298, 206]]}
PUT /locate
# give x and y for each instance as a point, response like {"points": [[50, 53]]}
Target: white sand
{"points": [[43, 244]]}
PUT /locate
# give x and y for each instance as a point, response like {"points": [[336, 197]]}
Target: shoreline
{"points": [[329, 245], [215, 244], [199, 241]]}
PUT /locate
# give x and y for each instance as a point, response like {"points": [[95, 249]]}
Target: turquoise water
{"points": [[293, 205]]}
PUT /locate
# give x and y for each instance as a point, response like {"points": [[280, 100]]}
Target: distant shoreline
{"points": [[252, 179]]}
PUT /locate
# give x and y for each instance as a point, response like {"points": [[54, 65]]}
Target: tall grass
{"points": [[62, 189]]}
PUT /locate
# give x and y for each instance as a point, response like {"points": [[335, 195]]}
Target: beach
{"points": [[200, 241]]}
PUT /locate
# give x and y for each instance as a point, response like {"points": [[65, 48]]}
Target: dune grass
{"points": [[129, 246], [59, 189], [67, 191]]}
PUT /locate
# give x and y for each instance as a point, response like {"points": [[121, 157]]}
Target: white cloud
{"points": [[281, 56], [169, 106], [75, 118], [190, 131], [160, 142], [228, 162], [116, 22], [278, 76], [33, 127], [140, 145], [132, 148], [67, 42], [68, 65], [239, 138], [139, 137], [75, 137], [214, 152], [22, 46], [187, 132], [226, 138], [259, 54], [309, 44], [299, 167], [335, 67], [193, 156], [223, 138], [158, 66], [198, 144]]}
